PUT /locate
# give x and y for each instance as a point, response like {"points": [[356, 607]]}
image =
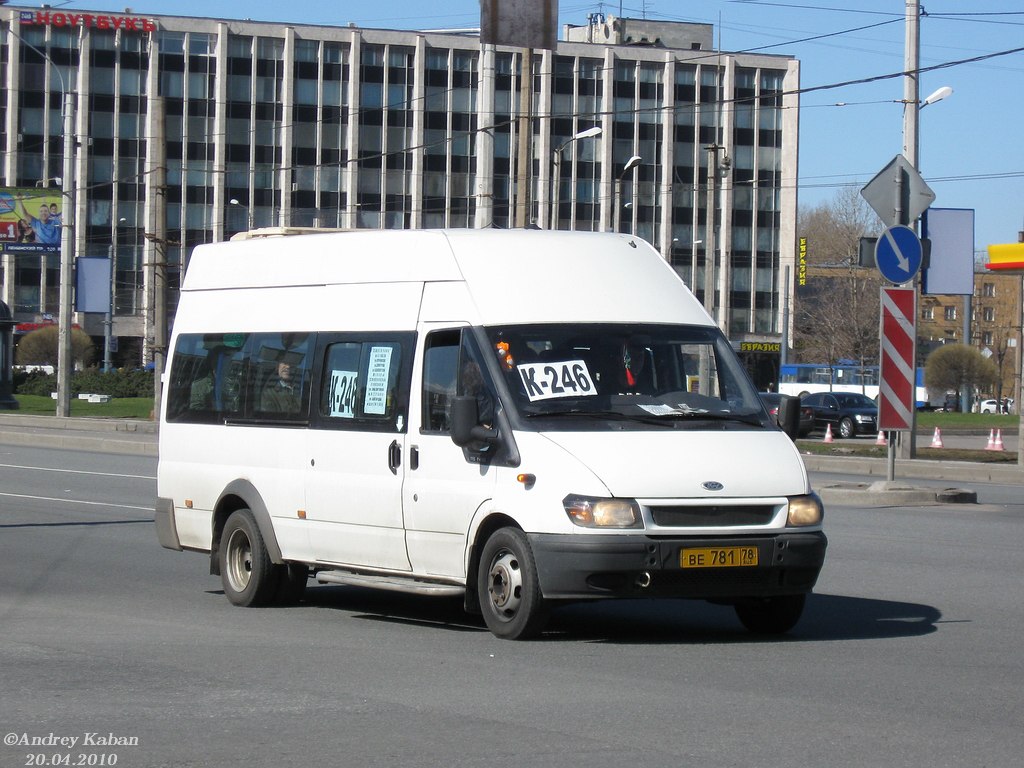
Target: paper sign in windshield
{"points": [[375, 402], [545, 381]]}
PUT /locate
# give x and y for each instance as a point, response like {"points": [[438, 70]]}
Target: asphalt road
{"points": [[909, 653]]}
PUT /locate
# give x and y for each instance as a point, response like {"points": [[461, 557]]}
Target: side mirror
{"points": [[465, 426], [788, 416]]}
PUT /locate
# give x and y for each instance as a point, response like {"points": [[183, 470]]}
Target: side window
{"points": [[364, 383], [208, 377], [250, 377], [279, 371], [452, 366], [440, 368]]}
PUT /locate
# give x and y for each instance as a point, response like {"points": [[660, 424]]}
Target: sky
{"points": [[971, 148]]}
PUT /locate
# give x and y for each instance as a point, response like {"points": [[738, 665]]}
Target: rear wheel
{"points": [[246, 571], [771, 615], [508, 587]]}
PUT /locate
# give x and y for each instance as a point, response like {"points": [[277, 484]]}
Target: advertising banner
{"points": [[30, 219]]}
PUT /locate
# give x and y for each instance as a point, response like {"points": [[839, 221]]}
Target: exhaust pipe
{"points": [[643, 580]]}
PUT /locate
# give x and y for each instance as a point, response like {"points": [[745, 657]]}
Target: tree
{"points": [[39, 347], [837, 312], [958, 367]]}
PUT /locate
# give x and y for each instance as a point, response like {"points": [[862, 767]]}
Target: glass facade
{"points": [[199, 129]]}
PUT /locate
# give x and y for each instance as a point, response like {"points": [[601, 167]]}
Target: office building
{"points": [[190, 130]]}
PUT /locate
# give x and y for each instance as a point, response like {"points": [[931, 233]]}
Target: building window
{"points": [[928, 313], [986, 338], [950, 313], [989, 314], [989, 290]]}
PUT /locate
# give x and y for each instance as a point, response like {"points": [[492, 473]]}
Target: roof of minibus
{"points": [[511, 276]]}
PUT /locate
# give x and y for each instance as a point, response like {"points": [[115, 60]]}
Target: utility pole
{"points": [[710, 245], [523, 159], [65, 360], [911, 118]]}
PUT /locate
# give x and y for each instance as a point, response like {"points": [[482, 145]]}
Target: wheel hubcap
{"points": [[505, 584], [239, 561]]}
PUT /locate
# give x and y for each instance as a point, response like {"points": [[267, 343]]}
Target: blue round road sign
{"points": [[898, 254]]}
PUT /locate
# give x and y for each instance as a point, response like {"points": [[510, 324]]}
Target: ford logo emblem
{"points": [[712, 485]]}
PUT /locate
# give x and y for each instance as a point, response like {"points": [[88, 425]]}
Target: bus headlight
{"points": [[805, 510], [589, 512]]}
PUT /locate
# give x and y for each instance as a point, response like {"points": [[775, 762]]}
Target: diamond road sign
{"points": [[898, 194]]}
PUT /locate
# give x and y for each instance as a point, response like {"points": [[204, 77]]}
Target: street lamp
{"points": [[556, 158], [632, 163], [248, 210]]}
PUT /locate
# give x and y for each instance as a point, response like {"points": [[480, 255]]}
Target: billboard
{"points": [[950, 270], [30, 219]]}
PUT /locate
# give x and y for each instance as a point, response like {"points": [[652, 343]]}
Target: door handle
{"points": [[394, 457]]}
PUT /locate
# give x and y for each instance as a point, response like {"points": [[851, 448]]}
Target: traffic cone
{"points": [[998, 446], [991, 440], [937, 439], [828, 434], [881, 439]]}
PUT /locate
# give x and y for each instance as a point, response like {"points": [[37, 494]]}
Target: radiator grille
{"points": [[713, 516]]}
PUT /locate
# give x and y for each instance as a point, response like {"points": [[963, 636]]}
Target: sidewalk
{"points": [[79, 434]]}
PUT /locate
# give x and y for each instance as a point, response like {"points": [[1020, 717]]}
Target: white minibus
{"points": [[517, 417]]}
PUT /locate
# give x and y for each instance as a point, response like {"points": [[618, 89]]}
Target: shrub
{"points": [[39, 347], [117, 383]]}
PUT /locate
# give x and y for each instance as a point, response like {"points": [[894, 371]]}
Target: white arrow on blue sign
{"points": [[898, 254]]}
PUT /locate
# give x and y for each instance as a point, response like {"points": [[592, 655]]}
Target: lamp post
{"points": [[556, 158], [632, 163], [248, 210]]}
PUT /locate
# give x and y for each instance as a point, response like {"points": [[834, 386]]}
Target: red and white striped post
{"points": [[897, 385]]}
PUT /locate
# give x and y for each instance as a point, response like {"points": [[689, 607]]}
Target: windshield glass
{"points": [[855, 401], [661, 375]]}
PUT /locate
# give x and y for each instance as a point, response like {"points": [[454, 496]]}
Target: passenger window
{"points": [[208, 377], [280, 372], [360, 385], [239, 376]]}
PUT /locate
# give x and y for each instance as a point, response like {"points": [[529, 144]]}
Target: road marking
{"points": [[76, 501], [78, 472]]}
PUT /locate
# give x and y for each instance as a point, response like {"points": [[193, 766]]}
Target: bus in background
{"points": [[799, 379]]}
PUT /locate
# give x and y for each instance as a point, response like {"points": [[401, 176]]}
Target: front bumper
{"points": [[584, 566]]}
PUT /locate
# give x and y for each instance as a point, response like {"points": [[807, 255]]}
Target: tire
{"points": [[291, 583], [508, 587], [249, 577], [846, 428], [771, 615]]}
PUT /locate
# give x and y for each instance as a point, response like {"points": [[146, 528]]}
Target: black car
{"points": [[771, 404], [848, 413]]}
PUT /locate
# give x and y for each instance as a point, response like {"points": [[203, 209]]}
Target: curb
{"points": [[120, 436]]}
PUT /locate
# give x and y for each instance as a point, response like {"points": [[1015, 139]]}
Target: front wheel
{"points": [[508, 587], [771, 615], [846, 428], [246, 571]]}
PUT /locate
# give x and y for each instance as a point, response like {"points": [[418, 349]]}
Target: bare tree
{"points": [[837, 312]]}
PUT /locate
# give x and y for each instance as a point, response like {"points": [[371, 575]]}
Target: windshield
{"points": [[855, 401], [661, 375]]}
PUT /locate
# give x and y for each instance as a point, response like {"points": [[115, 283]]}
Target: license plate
{"points": [[718, 557]]}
